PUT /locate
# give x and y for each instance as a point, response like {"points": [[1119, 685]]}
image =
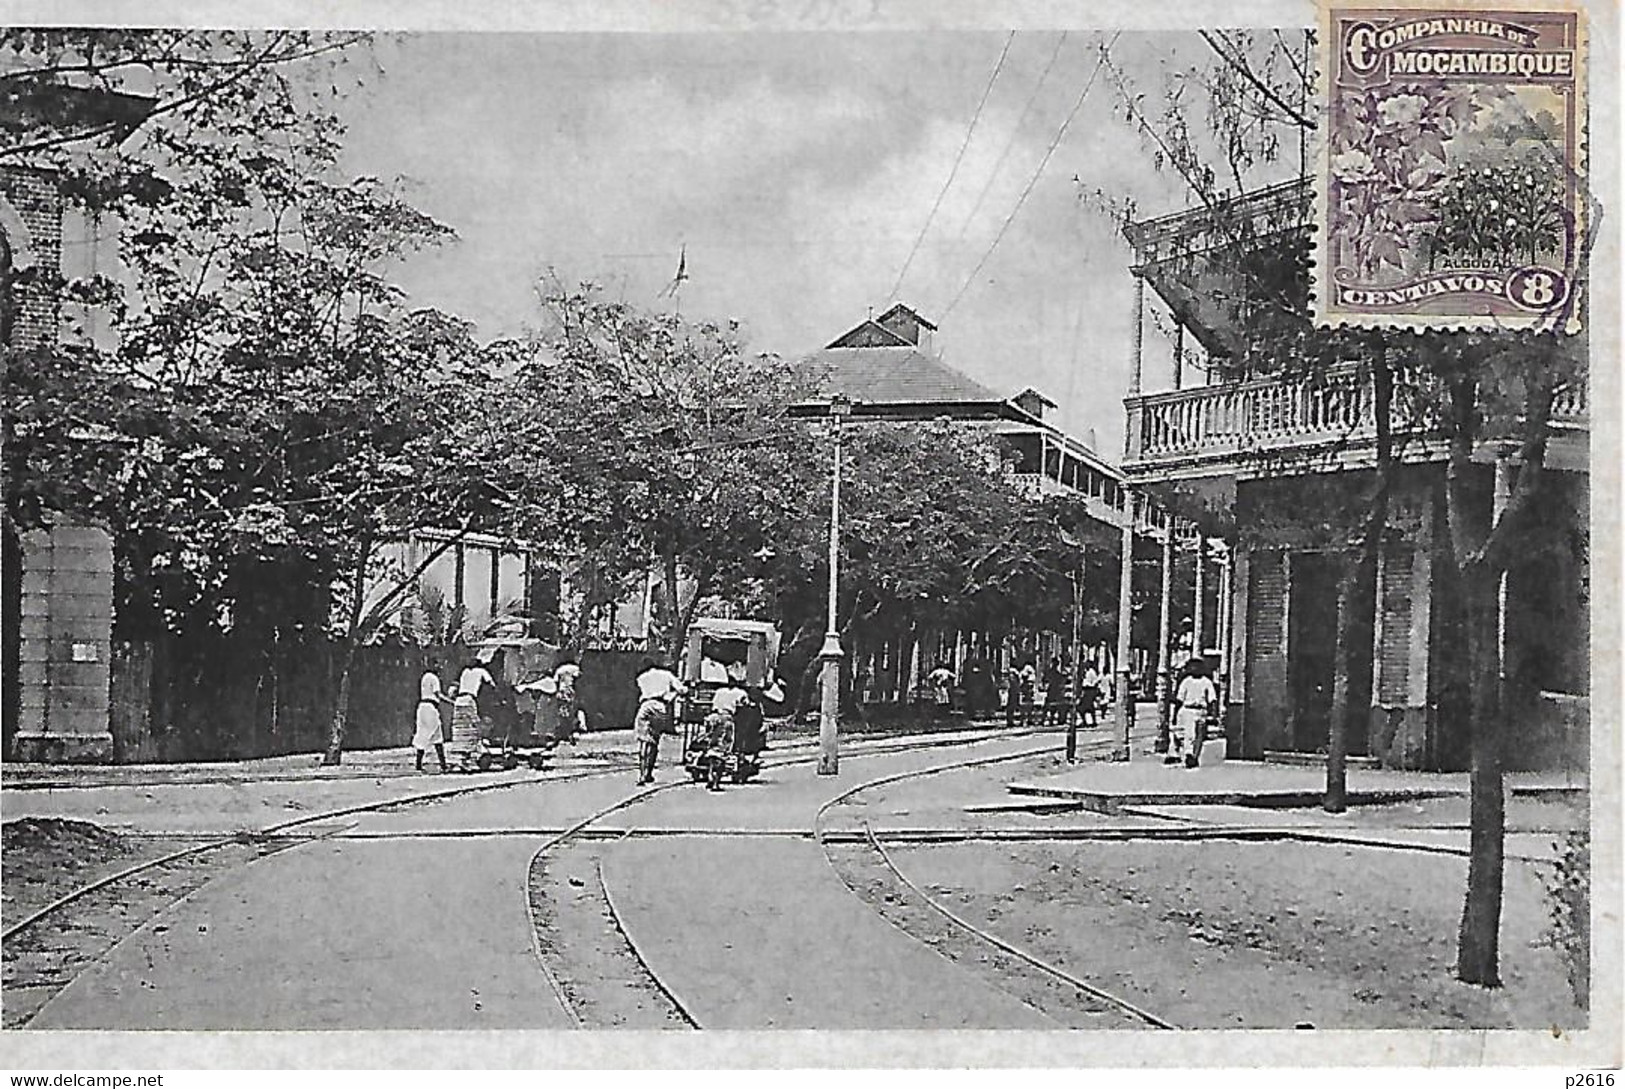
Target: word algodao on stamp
{"points": [[1450, 190]]}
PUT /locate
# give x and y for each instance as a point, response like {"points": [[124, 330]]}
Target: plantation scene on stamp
{"points": [[1452, 186]]}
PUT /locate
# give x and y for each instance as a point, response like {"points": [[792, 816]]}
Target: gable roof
{"points": [[870, 334], [1035, 395], [896, 374], [899, 310]]}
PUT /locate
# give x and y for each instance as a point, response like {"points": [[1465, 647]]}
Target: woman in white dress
{"points": [[428, 733], [465, 715]]}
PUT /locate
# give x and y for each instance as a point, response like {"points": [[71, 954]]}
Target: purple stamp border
{"points": [[1407, 76]]}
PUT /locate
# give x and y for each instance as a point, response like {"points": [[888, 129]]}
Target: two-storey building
{"points": [[1284, 463]]}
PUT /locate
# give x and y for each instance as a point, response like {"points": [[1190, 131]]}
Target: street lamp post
{"points": [[829, 713]]}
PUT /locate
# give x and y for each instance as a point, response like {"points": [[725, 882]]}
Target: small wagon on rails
{"points": [[738, 657], [509, 718]]}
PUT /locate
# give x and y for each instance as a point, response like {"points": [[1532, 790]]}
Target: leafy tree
{"points": [[272, 415], [177, 80], [1466, 388], [663, 443]]}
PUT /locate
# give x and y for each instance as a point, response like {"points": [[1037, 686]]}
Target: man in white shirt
{"points": [[1193, 703], [657, 687], [1089, 696]]}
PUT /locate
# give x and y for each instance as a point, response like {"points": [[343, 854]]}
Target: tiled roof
{"points": [[890, 375]]}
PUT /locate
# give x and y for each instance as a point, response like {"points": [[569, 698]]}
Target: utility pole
{"points": [[829, 712], [1125, 620], [1163, 633], [1226, 564], [1077, 657], [1125, 581], [1198, 614]]}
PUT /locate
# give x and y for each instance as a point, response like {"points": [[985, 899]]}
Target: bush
{"points": [[1568, 891]]}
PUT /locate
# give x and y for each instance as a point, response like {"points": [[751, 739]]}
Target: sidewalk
{"points": [[1421, 811], [390, 763], [1146, 780], [602, 746]]}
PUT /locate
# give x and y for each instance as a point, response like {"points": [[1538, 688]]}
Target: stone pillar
{"points": [[1179, 353], [1418, 687], [1238, 572], [1222, 637], [65, 646]]}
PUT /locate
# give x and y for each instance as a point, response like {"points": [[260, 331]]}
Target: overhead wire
{"points": [[958, 159], [1014, 132], [1049, 152]]}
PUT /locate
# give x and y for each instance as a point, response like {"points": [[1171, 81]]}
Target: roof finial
{"points": [[871, 313]]}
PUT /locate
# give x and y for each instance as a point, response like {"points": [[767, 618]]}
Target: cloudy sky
{"points": [[798, 169]]}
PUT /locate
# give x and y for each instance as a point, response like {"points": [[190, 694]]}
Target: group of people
{"points": [[733, 724], [1030, 697], [1034, 698], [483, 701]]}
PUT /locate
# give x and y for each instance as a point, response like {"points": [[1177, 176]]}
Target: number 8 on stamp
{"points": [[1450, 190]]}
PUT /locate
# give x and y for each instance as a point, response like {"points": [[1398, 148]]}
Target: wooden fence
{"points": [[228, 699]]}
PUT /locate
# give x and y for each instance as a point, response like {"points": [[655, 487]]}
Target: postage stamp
{"points": [[1451, 186]]}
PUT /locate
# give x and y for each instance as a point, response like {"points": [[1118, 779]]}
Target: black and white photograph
{"points": [[684, 535]]}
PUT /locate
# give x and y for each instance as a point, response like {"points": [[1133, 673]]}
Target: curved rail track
{"points": [[272, 832], [1010, 947], [215, 843], [680, 1007], [290, 832], [978, 933]]}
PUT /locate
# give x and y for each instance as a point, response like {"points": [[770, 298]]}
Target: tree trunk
{"points": [[1360, 575], [1478, 944], [679, 627], [341, 710], [341, 705], [1337, 740]]}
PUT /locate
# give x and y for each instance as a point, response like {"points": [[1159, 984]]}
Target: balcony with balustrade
{"points": [[1326, 422]]}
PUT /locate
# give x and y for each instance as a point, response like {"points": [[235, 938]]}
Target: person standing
{"points": [[1193, 703], [1028, 687], [1012, 693], [720, 731], [565, 676], [465, 713], [1055, 693], [428, 733], [657, 688], [941, 680], [1089, 696]]}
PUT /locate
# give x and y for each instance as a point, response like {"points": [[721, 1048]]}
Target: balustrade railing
{"points": [[1264, 415]]}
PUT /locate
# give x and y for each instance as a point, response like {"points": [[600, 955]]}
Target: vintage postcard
{"points": [[810, 534], [1452, 189]]}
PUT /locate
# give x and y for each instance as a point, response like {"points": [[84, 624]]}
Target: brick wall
{"points": [[1267, 696], [1394, 625], [31, 216]]}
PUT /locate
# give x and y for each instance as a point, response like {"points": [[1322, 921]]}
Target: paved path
{"points": [[759, 933], [390, 935], [762, 935], [434, 933]]}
